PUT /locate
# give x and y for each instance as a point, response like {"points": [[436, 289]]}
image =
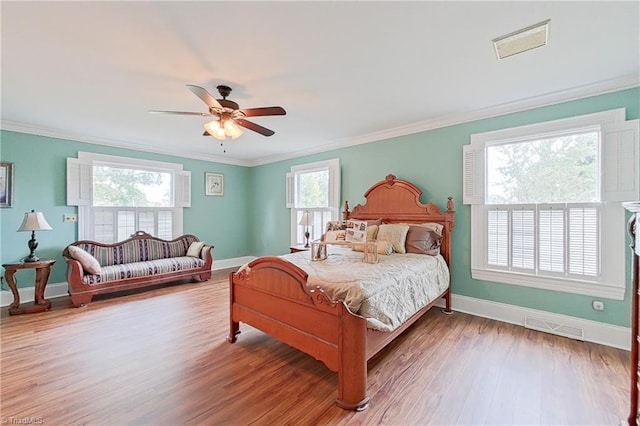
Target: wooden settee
{"points": [[140, 261]]}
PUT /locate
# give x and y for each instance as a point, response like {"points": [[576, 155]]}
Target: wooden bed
{"points": [[272, 296]]}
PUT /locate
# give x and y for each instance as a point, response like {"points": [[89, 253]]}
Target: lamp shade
{"points": [[306, 220], [34, 221]]}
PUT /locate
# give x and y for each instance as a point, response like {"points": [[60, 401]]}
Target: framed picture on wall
{"points": [[6, 184], [213, 184]]}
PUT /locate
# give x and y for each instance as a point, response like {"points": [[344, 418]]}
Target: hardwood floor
{"points": [[160, 357]]}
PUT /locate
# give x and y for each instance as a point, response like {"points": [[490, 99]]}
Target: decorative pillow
{"points": [[336, 225], [88, 262], [423, 240], [384, 247], [335, 236], [195, 248], [372, 232], [396, 234], [432, 226]]}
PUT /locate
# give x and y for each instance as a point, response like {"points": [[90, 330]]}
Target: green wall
{"points": [[251, 218], [40, 184], [433, 161]]}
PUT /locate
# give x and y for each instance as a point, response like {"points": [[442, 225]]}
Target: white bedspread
{"points": [[386, 293]]}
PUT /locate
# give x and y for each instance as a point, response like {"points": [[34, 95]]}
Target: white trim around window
{"points": [[618, 181], [151, 219]]}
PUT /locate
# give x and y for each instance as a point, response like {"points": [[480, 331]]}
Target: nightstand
{"points": [[301, 247]]}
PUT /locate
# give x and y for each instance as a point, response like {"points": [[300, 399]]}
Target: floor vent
{"points": [[553, 328]]}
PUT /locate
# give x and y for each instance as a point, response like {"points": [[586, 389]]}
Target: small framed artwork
{"points": [[6, 184], [213, 184]]}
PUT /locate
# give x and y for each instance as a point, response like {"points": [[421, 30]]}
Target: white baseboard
{"points": [[54, 290], [231, 263], [594, 331], [26, 293]]}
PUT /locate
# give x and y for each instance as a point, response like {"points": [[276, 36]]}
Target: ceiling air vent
{"points": [[522, 40]]}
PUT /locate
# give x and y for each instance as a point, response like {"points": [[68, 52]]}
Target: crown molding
{"points": [[600, 88], [133, 146]]}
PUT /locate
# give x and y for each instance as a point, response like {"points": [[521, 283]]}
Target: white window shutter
{"points": [[583, 240], [620, 163], [183, 189], [79, 183], [289, 190], [334, 186], [523, 238], [473, 175], [551, 239]]}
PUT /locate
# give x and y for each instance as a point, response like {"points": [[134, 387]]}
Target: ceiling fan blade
{"points": [[201, 114], [255, 127], [257, 112], [203, 94]]}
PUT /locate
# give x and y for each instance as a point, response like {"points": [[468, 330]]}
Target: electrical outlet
{"points": [[598, 305], [69, 217]]}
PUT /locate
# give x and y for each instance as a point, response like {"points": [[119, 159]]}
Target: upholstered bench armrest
{"points": [[206, 255], [75, 273]]}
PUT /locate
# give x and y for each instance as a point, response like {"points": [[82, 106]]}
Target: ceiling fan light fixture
{"points": [[236, 132], [212, 126], [232, 129]]}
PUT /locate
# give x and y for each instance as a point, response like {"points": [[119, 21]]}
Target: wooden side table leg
{"points": [[8, 275], [42, 276]]}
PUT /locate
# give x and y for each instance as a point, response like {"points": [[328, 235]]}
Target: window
{"points": [[314, 188], [545, 203], [118, 196]]}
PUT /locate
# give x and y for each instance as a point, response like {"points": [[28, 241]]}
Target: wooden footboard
{"points": [[272, 296]]}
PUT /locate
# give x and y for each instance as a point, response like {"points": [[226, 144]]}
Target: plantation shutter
{"points": [[290, 188], [620, 164], [583, 241], [498, 237], [79, 182], [523, 239], [473, 174], [183, 189], [551, 223]]}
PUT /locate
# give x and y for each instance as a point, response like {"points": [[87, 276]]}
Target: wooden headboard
{"points": [[398, 201]]}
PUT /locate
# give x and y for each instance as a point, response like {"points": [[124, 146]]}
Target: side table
{"points": [[43, 269]]}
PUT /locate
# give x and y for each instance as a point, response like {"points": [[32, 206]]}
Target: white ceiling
{"points": [[346, 72]]}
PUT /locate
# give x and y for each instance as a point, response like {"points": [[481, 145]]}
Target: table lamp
{"points": [[33, 221], [306, 221]]}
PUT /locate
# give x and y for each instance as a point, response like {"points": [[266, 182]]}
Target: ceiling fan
{"points": [[228, 114]]}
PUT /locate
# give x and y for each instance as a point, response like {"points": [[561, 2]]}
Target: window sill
{"points": [[548, 283]]}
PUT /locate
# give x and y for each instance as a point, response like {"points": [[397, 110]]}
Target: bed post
{"points": [[352, 372], [345, 212], [450, 224], [234, 326]]}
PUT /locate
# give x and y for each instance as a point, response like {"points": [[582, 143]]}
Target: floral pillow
{"points": [[336, 225]]}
